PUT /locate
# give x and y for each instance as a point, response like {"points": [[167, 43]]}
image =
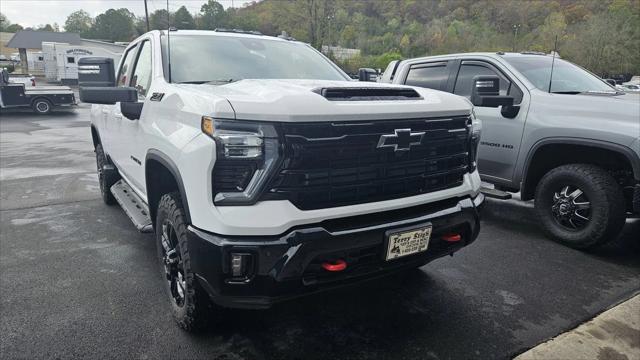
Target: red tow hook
{"points": [[337, 265], [451, 237]]}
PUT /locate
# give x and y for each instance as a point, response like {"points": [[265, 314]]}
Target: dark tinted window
{"points": [[464, 81], [428, 76]]}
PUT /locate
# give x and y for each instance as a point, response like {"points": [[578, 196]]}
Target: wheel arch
{"points": [[162, 176], [573, 150]]}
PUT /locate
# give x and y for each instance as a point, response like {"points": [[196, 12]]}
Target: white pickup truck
{"points": [[267, 173]]}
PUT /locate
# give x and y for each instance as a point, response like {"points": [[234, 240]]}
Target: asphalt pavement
{"points": [[78, 280]]}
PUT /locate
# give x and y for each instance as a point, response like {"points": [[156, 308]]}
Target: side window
{"points": [[469, 70], [433, 76], [126, 64], [141, 78], [71, 60]]}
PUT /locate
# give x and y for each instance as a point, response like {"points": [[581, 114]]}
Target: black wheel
{"points": [[105, 179], [190, 305], [580, 205], [42, 106]]}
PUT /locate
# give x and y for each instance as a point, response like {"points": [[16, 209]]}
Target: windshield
{"points": [[222, 59], [567, 77]]}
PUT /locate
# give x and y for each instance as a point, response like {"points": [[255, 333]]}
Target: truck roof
{"points": [[228, 33], [498, 54]]}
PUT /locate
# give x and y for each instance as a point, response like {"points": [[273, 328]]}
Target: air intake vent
{"points": [[367, 94]]}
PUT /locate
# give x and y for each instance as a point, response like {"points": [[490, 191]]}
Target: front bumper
{"points": [[289, 265]]}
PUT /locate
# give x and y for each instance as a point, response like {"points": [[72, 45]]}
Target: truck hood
{"points": [[296, 101]]}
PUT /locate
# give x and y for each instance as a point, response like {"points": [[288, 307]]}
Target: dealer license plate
{"points": [[403, 243]]}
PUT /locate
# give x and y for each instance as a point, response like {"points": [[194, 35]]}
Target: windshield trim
{"points": [[165, 65]]}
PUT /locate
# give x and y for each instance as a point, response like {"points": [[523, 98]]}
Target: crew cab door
{"points": [[130, 130], [501, 136]]}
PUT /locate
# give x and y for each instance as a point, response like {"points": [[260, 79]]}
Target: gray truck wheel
{"points": [[189, 303], [42, 106], [580, 205], [105, 179]]}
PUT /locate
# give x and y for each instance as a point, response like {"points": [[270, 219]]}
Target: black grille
{"points": [[337, 164]]}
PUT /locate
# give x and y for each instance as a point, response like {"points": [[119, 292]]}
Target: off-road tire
{"points": [[42, 106], [197, 307], [607, 205], [105, 179]]}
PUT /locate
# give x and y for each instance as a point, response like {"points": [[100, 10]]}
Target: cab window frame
{"points": [[489, 65], [139, 47], [445, 64], [133, 50]]}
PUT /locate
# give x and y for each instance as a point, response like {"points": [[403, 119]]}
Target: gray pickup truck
{"points": [[566, 139]]}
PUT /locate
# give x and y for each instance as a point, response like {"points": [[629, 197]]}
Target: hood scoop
{"points": [[367, 94]]}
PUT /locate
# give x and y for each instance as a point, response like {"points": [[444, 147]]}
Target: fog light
{"points": [[240, 263]]}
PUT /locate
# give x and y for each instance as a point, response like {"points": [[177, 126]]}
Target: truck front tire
{"points": [[580, 205], [189, 303]]}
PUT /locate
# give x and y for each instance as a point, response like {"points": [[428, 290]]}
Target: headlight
{"points": [[474, 141], [247, 152]]}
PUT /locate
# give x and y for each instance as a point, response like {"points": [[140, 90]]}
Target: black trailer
{"points": [[42, 99]]}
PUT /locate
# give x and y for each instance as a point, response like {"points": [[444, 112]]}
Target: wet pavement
{"points": [[77, 279]]}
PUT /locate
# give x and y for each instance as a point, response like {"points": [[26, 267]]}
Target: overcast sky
{"points": [[35, 12]]}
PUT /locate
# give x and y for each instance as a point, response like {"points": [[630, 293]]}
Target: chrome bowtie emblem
{"points": [[401, 140]]}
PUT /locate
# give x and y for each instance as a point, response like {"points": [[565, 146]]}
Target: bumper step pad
{"points": [[133, 206]]}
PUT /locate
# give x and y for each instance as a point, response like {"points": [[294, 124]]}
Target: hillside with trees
{"points": [[601, 35]]}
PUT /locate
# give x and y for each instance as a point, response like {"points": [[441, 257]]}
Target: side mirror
{"points": [[131, 110], [611, 82], [486, 92], [96, 72], [367, 74], [108, 95]]}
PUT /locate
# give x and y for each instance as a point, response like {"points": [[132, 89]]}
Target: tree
{"points": [[46, 27], [213, 15], [159, 20], [114, 25], [183, 19], [79, 22]]}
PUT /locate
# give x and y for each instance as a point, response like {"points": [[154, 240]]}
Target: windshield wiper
{"points": [[217, 81]]}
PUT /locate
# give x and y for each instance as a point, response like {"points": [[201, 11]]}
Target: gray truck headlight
{"points": [[247, 153]]}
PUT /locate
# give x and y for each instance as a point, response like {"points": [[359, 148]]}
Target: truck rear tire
{"points": [[42, 106], [580, 205], [190, 305]]}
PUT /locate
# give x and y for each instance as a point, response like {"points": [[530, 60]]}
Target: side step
{"points": [[496, 194], [133, 206]]}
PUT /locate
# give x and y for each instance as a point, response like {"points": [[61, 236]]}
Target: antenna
{"points": [[555, 51], [169, 42]]}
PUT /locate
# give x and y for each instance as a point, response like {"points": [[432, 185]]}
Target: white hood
{"points": [[294, 101]]}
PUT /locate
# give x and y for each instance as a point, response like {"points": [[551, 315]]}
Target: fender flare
{"points": [[627, 152], [165, 160]]}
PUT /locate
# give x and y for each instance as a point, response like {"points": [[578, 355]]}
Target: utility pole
{"points": [[146, 14], [515, 35]]}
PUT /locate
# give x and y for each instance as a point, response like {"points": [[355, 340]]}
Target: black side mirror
{"points": [[367, 74], [611, 82], [131, 110], [486, 92], [108, 95], [96, 72]]}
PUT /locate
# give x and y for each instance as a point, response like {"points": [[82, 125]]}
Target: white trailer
{"points": [[61, 60]]}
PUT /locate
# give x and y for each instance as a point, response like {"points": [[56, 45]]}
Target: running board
{"points": [[133, 206], [495, 194]]}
